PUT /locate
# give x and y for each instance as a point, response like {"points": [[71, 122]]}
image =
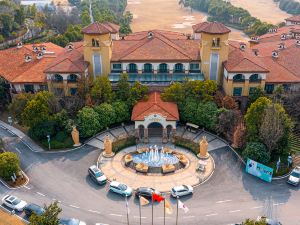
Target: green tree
{"points": [[174, 93], [49, 217], [121, 111], [102, 90], [253, 117], [9, 165], [123, 88], [18, 105], [253, 222], [85, 18], [88, 122], [259, 92], [42, 129], [256, 151], [4, 93], [137, 92], [106, 115]]}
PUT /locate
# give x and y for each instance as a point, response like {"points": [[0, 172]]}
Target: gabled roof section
{"points": [[101, 28], [71, 61], [211, 28], [295, 18], [155, 105], [156, 46]]}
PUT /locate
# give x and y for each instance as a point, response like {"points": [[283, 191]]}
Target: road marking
{"points": [[143, 217], [18, 150], [74, 206], [27, 187], [161, 217], [257, 207], [39, 193], [213, 214], [92, 211], [115, 215], [281, 203], [218, 202], [234, 211], [187, 217]]}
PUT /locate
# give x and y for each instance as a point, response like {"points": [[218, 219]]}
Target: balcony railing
{"points": [[255, 80], [238, 80]]}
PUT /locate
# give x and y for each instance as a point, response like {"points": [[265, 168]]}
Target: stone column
{"points": [[137, 134], [146, 138], [165, 135], [203, 147], [173, 134], [108, 153]]}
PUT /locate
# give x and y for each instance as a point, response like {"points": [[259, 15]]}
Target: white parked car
{"points": [[97, 175], [182, 190], [13, 202], [119, 188], [294, 178]]}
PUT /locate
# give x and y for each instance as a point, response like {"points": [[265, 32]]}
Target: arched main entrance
{"points": [[155, 130]]}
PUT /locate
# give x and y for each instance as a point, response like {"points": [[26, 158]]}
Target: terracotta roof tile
{"points": [[14, 69], [211, 28], [155, 105], [101, 28], [295, 18]]}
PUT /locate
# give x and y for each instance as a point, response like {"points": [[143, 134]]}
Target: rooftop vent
{"points": [[243, 46], [298, 42], [35, 48], [43, 48], [20, 45], [273, 30], [70, 47], [27, 58], [255, 51], [283, 36], [281, 46], [275, 54], [39, 55], [150, 34]]}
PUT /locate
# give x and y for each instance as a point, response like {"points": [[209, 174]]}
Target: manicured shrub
{"points": [[256, 151], [185, 143], [88, 122], [41, 130], [120, 144], [9, 164]]}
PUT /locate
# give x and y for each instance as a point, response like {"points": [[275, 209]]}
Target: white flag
{"points": [[182, 206]]}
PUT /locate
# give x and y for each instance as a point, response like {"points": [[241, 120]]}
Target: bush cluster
{"points": [[9, 165], [120, 144]]}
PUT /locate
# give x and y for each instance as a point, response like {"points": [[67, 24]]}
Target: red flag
{"points": [[158, 198]]}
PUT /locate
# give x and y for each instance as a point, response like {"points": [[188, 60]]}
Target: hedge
{"points": [[186, 143], [122, 143]]}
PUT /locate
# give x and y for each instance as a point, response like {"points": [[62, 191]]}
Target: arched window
{"points": [[255, 78], [163, 68], [132, 68], [239, 78], [178, 68], [72, 78], [148, 68], [57, 78]]}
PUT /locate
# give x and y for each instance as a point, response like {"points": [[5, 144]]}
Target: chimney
{"points": [[281, 46], [255, 51], [243, 46], [27, 57], [275, 54], [39, 55], [19, 45]]}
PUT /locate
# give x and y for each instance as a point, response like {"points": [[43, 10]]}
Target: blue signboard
{"points": [[259, 170]]}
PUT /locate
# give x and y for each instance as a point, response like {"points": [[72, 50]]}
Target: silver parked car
{"points": [[13, 202], [97, 175], [181, 190], [119, 188], [294, 178]]}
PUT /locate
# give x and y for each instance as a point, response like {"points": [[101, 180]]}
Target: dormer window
{"points": [[35, 49], [275, 54], [216, 42], [150, 35], [283, 36], [20, 45], [281, 46], [27, 58], [242, 46], [39, 55]]}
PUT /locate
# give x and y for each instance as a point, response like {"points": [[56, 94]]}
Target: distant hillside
{"points": [[290, 6]]}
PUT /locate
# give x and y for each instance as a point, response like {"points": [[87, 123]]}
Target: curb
{"points": [[18, 187], [19, 217]]}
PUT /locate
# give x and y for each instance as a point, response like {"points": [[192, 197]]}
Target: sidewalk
{"points": [[24, 138]]}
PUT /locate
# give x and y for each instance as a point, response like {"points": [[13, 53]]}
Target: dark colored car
{"points": [[71, 221], [33, 208], [146, 192]]}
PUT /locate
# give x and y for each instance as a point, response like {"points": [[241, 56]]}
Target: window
{"points": [[214, 64], [194, 67], [97, 64], [58, 78], [43, 87], [163, 68], [237, 91], [148, 68], [73, 91], [178, 68], [29, 88], [72, 78], [252, 90], [216, 42], [95, 43], [254, 78], [117, 67], [269, 88], [238, 78], [132, 68]]}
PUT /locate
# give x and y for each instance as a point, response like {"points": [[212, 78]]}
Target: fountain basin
{"points": [[162, 159]]}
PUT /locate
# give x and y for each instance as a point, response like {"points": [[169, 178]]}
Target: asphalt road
{"points": [[228, 197]]}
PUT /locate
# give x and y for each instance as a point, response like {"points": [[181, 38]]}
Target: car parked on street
{"points": [[119, 188], [182, 190], [97, 175], [13, 202], [294, 178], [33, 209], [146, 192], [71, 221]]}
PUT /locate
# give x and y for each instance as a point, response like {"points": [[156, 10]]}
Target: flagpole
{"points": [[177, 212], [152, 207], [165, 211], [127, 210], [140, 209]]}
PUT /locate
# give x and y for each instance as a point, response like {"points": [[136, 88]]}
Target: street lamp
{"points": [[49, 139], [9, 120]]}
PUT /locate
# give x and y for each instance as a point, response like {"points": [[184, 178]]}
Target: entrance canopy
{"points": [[155, 115]]}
